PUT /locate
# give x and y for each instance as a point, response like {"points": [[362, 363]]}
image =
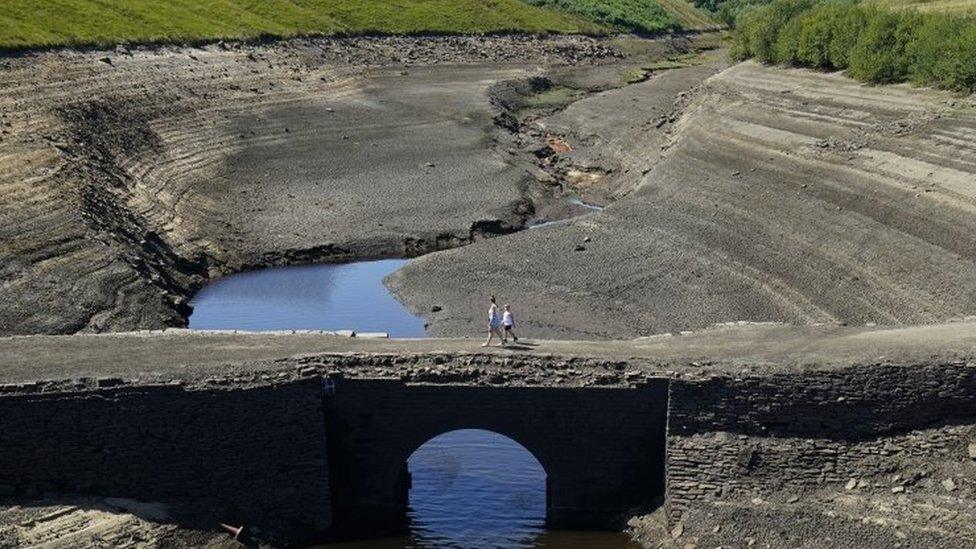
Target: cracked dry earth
{"points": [[776, 195], [129, 178]]}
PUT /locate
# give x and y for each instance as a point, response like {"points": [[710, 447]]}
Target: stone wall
{"points": [[291, 455], [735, 434], [246, 455], [602, 448]]}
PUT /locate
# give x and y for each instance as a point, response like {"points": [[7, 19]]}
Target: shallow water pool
{"points": [[307, 297]]}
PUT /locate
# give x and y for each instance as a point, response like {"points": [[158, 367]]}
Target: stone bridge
{"points": [[602, 448], [308, 435]]}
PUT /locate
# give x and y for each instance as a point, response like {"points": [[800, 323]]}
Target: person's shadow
{"points": [[521, 346]]}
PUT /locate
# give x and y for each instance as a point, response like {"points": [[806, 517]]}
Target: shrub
{"points": [[881, 53], [943, 53], [757, 30], [815, 33], [787, 49], [848, 23]]}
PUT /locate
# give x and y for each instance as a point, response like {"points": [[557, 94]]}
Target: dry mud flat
{"points": [[129, 178], [97, 522], [778, 195]]}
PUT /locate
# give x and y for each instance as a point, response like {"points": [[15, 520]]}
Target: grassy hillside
{"points": [[642, 16], [34, 23], [943, 6]]}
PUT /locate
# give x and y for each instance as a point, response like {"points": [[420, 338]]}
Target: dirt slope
{"points": [[128, 178], [781, 195]]}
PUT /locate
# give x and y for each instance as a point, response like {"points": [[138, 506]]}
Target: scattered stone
{"points": [[717, 529], [735, 174], [678, 530], [587, 239], [329, 109], [949, 485], [898, 490], [793, 499], [429, 165], [580, 248], [851, 484], [750, 542], [106, 60], [972, 451], [436, 308]]}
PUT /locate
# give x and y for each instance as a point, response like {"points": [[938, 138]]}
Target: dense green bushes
{"points": [[642, 16], [872, 45]]}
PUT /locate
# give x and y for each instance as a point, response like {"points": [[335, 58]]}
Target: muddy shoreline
{"points": [[134, 176]]}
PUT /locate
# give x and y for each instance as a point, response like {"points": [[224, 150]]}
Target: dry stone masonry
{"points": [[304, 448]]}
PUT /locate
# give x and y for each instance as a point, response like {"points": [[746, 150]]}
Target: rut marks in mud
{"points": [[103, 135]]}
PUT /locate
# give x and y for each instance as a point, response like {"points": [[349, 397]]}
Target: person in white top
{"points": [[494, 325], [508, 323]]}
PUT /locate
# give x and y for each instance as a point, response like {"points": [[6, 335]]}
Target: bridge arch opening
{"points": [[472, 487]]}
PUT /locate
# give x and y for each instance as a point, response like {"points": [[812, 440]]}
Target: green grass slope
{"points": [[943, 6], [41, 23], [642, 16]]}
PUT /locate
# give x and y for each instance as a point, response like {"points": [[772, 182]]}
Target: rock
{"points": [[949, 484], [898, 490], [972, 451], [750, 542], [429, 164], [580, 248], [735, 174], [436, 308], [678, 530], [851, 484], [793, 499], [587, 239], [106, 60], [717, 529]]}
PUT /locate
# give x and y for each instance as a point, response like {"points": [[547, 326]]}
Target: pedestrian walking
{"points": [[494, 324], [508, 324]]}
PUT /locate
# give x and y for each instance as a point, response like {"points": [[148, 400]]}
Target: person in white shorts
{"points": [[494, 325], [508, 324]]}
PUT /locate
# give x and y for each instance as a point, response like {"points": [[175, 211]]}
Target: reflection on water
{"points": [[478, 489], [307, 297], [474, 488]]}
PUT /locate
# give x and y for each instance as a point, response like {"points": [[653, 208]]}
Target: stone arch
{"points": [[602, 449], [508, 444]]}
